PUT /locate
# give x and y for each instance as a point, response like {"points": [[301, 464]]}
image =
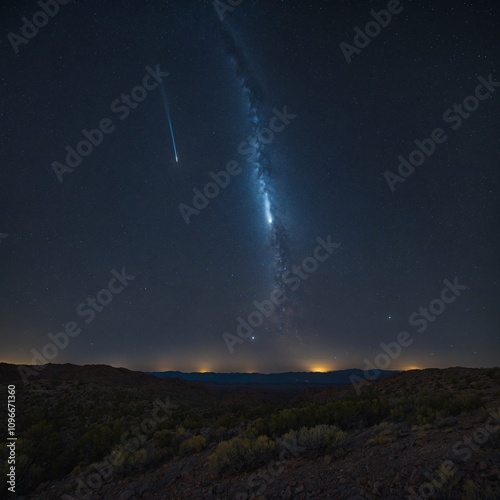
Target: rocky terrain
{"points": [[419, 434]]}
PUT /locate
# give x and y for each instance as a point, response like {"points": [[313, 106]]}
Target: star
{"points": [[237, 239]]}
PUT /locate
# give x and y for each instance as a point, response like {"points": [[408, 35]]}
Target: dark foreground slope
{"points": [[433, 433]]}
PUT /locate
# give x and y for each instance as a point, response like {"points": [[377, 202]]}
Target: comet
{"points": [[167, 111], [267, 208], [265, 194], [173, 138]]}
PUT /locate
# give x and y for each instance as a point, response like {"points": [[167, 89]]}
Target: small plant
{"points": [[318, 438], [164, 438], [239, 453], [193, 444], [480, 491], [379, 439]]}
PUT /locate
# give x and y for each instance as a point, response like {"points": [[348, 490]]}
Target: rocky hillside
{"points": [[419, 434]]}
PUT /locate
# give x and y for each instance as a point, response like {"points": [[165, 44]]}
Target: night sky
{"points": [[312, 211]]}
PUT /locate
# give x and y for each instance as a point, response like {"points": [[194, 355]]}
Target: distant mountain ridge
{"points": [[338, 377], [105, 375], [128, 378]]}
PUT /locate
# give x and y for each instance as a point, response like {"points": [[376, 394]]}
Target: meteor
{"points": [[173, 138], [167, 111]]}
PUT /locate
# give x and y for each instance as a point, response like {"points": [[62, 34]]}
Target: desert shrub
{"points": [[385, 435], [239, 453], [179, 436], [402, 409], [193, 421], [42, 442], [263, 445], [66, 460], [464, 402], [218, 434], [193, 444], [321, 436], [128, 460], [42, 456], [482, 490], [283, 421], [308, 416], [161, 455], [137, 459], [372, 408], [256, 428], [385, 427], [99, 441], [225, 421], [28, 473], [438, 405], [368, 409], [163, 438], [318, 438], [435, 400], [229, 452], [379, 439]]}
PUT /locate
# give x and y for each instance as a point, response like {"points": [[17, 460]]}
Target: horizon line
{"points": [[206, 372]]}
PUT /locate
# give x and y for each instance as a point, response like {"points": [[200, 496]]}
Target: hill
{"points": [[101, 432], [296, 379]]}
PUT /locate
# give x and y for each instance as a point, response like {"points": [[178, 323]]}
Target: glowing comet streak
{"points": [[167, 110], [267, 208], [173, 138]]}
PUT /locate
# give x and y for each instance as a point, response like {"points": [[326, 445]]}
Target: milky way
{"points": [[284, 323]]}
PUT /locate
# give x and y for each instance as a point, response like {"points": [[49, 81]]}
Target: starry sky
{"points": [[174, 172]]}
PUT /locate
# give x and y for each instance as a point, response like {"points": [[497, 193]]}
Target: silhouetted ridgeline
{"points": [[339, 377]]}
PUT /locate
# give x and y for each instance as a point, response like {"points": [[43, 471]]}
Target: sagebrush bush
{"points": [[379, 439], [193, 444], [464, 402], [239, 453], [481, 490], [163, 438], [319, 437]]}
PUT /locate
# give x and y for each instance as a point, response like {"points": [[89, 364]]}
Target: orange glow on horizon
{"points": [[319, 369]]}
